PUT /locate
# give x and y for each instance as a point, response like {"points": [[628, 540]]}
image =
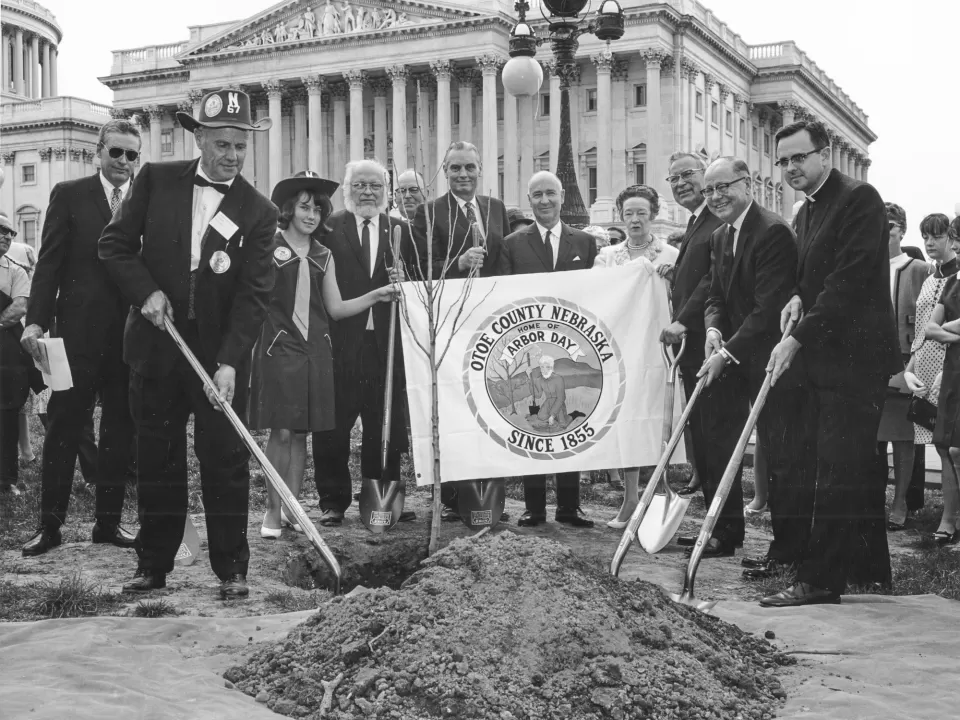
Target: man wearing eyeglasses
{"points": [[360, 241], [72, 290], [846, 335], [408, 195]]}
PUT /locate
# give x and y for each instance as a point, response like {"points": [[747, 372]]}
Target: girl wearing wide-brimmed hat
{"points": [[291, 389]]}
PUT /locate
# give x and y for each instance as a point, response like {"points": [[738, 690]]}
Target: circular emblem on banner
{"points": [[220, 262], [544, 378], [282, 254], [213, 106]]}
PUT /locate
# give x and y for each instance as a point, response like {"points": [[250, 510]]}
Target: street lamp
{"points": [[520, 78]]}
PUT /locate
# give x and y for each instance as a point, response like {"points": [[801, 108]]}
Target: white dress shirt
{"points": [[895, 264], [736, 225], [554, 238], [696, 213], [206, 200], [108, 188], [476, 211], [374, 229]]}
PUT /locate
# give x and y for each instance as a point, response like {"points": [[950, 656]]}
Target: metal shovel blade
{"points": [[190, 545], [662, 520], [687, 598], [481, 503], [381, 502]]}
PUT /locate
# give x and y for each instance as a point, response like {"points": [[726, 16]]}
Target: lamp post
{"points": [[522, 75]]}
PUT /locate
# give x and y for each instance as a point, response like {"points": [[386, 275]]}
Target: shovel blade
{"points": [[661, 522], [190, 545], [704, 606], [381, 502], [481, 503]]}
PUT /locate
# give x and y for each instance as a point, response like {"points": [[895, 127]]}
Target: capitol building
{"points": [[399, 80]]}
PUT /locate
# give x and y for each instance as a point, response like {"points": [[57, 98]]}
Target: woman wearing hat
{"points": [[291, 389]]}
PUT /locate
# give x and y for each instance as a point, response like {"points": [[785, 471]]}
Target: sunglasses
{"points": [[8, 232], [116, 152]]}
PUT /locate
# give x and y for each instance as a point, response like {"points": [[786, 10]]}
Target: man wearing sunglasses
{"points": [[72, 292], [846, 335]]}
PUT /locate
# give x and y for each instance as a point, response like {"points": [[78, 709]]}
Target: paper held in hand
{"points": [[54, 365]]}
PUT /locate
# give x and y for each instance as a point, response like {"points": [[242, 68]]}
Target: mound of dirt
{"points": [[514, 627]]}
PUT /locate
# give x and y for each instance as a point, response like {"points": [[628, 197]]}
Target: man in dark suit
{"points": [[71, 288], [548, 246], [192, 244], [754, 267], [360, 244], [846, 336], [466, 233]]}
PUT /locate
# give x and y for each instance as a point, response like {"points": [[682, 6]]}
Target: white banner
{"points": [[546, 373]]}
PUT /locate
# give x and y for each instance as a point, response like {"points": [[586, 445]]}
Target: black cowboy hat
{"points": [[306, 180], [222, 109]]}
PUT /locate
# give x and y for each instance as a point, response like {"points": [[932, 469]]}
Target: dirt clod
{"points": [[514, 627]]}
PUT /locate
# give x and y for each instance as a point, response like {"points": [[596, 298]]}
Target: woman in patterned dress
{"points": [[291, 386], [930, 345], [637, 206]]}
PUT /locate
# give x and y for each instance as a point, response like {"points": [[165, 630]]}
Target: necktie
{"points": [[474, 234], [203, 182], [726, 263], [365, 246], [690, 223], [549, 247], [301, 303], [115, 200]]}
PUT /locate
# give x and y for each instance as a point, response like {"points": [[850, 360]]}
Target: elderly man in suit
{"points": [[754, 266], [72, 288], [408, 196], [846, 335], [548, 246], [360, 243], [465, 231], [193, 245]]}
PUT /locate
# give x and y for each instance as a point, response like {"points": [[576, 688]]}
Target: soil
{"points": [[514, 627]]}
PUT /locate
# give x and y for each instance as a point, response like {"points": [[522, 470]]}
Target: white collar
{"points": [[810, 195], [899, 261], [108, 186], [375, 220], [555, 230], [738, 223], [206, 177], [463, 203], [696, 213]]}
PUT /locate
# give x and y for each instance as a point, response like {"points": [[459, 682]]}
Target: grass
{"points": [[154, 609], [291, 601], [69, 597]]}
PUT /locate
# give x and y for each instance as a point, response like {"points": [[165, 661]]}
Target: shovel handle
{"points": [[388, 384], [672, 362], [290, 503]]}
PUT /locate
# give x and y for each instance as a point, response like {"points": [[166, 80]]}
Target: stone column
{"points": [[789, 112], [441, 70], [338, 91], [489, 66], [852, 163], [526, 106], [45, 88], [300, 158], [53, 71], [380, 152], [75, 168], [835, 142], [511, 153], [844, 158], [261, 141], [356, 80], [195, 96], [314, 85], [679, 101], [44, 170], [186, 137], [398, 76], [551, 66], [602, 210], [4, 66], [655, 153], [865, 169], [708, 82], [737, 116], [275, 133], [156, 126], [35, 66], [723, 93], [691, 71], [326, 162], [618, 126], [18, 62], [465, 77]]}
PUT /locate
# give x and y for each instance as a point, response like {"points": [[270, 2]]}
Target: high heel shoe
{"points": [[284, 520], [750, 512], [269, 533], [943, 538], [617, 524]]}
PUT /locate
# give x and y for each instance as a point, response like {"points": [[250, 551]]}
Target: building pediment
{"points": [[300, 22]]}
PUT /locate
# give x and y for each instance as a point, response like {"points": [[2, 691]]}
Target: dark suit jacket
{"points": [[450, 234], [353, 281], [523, 251], [70, 285], [147, 248], [744, 304], [691, 285], [907, 282], [848, 330]]}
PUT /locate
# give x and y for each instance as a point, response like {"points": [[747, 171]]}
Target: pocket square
{"points": [[575, 259]]}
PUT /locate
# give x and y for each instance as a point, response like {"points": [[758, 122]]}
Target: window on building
{"points": [[640, 173], [499, 109], [28, 174], [729, 122], [166, 142], [640, 95], [592, 183], [544, 104], [455, 112], [743, 130], [29, 232], [699, 104], [713, 113], [756, 138], [766, 143], [592, 100]]}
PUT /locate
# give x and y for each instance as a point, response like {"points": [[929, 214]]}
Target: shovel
{"points": [[666, 511], [381, 501], [729, 476], [290, 503]]}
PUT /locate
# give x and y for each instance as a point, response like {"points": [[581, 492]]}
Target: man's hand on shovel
{"points": [[226, 381]]}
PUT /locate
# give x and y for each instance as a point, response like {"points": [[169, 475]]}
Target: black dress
{"points": [[947, 431], [291, 385]]}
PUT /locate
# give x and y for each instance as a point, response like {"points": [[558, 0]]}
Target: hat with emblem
{"points": [[306, 180], [222, 109]]}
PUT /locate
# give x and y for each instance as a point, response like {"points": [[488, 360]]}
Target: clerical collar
{"points": [[206, 177], [810, 195]]}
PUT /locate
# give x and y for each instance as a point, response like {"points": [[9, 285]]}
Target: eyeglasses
{"points": [[720, 188], [8, 232], [796, 160], [685, 175], [371, 186], [116, 152], [408, 191]]}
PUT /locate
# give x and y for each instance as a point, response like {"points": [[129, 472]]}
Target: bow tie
{"points": [[200, 181]]}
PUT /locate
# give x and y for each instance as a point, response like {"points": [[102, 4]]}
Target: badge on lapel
{"points": [[220, 262], [282, 254]]}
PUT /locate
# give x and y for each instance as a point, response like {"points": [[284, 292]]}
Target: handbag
{"points": [[922, 412]]}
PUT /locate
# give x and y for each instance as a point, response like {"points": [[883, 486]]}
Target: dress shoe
{"points": [[572, 516], [234, 587], [944, 538], [766, 570], [448, 514], [331, 517], [714, 549], [801, 594], [113, 534], [531, 519], [504, 516], [43, 540], [755, 561], [284, 520], [145, 581], [688, 490], [407, 516], [269, 533]]}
